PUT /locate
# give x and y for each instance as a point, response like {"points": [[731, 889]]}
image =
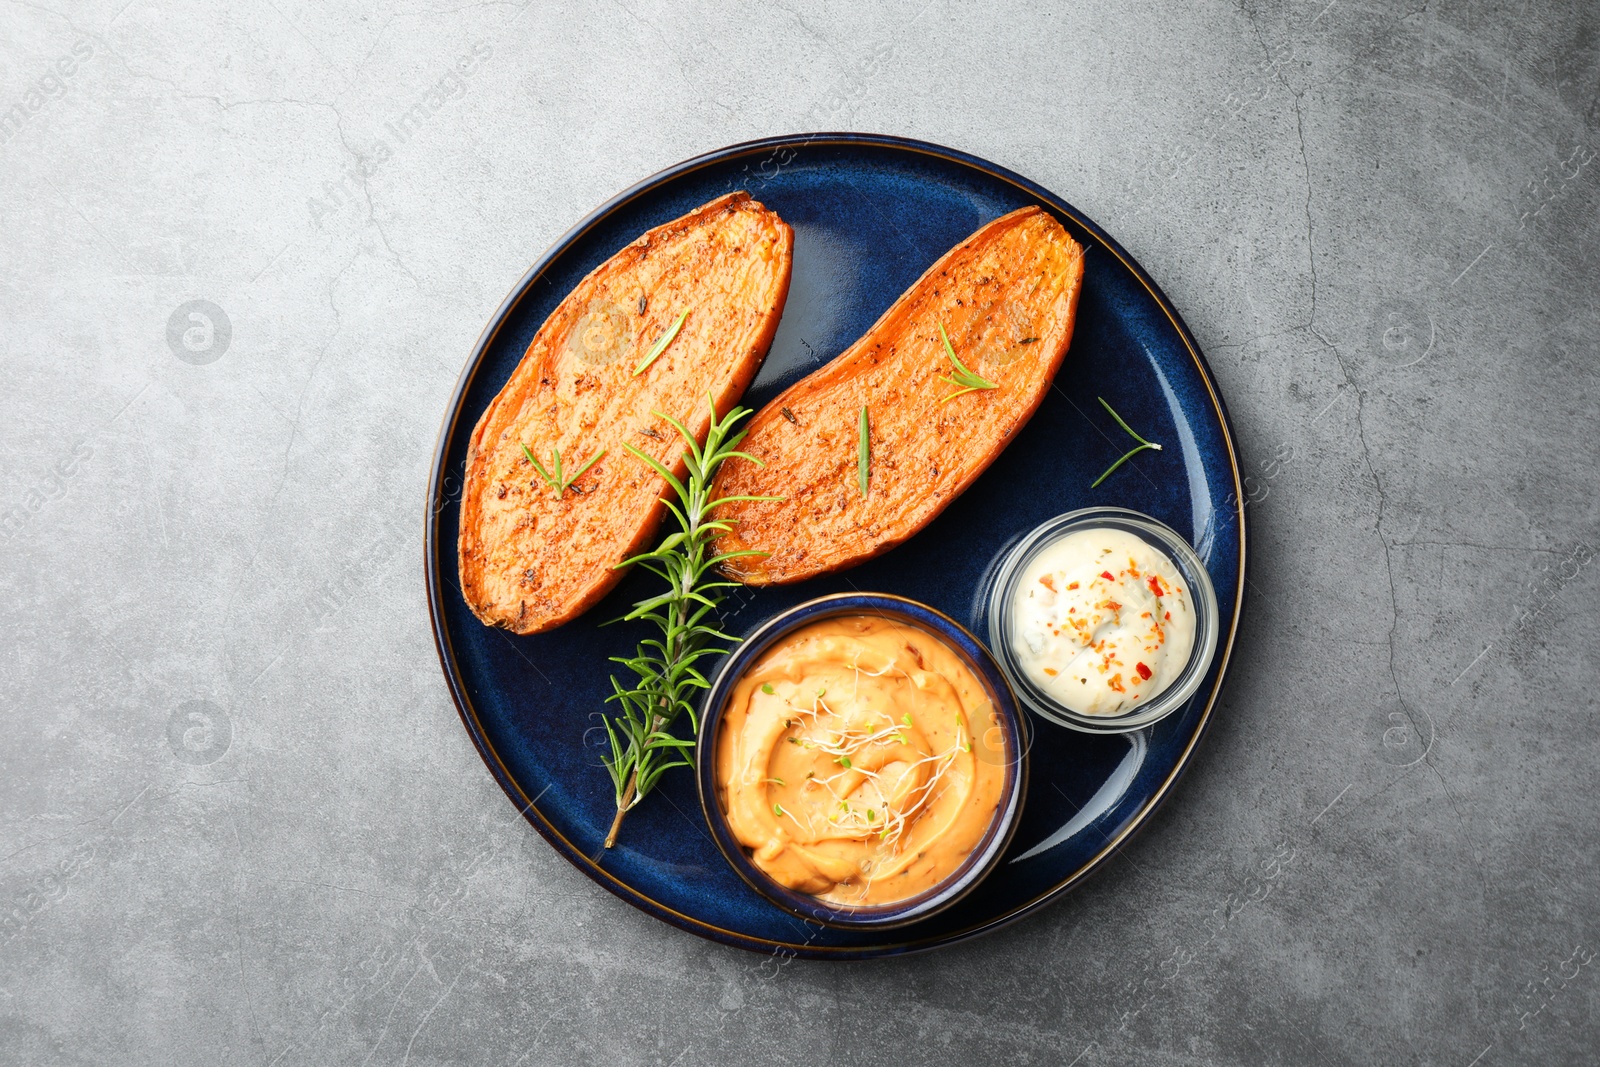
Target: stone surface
{"points": [[239, 818]]}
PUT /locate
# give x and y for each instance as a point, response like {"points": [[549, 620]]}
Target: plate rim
{"points": [[438, 477]]}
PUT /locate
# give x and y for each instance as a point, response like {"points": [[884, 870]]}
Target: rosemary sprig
{"points": [[864, 453], [556, 481], [643, 746], [661, 344], [1143, 444], [964, 380]]}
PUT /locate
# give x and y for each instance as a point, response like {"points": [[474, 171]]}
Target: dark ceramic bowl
{"points": [[1014, 754]]}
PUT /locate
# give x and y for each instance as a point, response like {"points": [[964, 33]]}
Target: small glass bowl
{"points": [[1158, 535], [985, 856]]}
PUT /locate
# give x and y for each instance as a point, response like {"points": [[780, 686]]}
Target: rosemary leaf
{"points": [[556, 481], [579, 472], [549, 480], [963, 378], [1143, 444], [864, 453], [1126, 456], [661, 345], [1124, 425]]}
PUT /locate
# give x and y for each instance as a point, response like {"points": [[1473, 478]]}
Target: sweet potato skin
{"points": [[1007, 296], [531, 559]]}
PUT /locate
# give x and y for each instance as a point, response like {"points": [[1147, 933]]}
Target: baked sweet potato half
{"points": [[1007, 297], [552, 501]]}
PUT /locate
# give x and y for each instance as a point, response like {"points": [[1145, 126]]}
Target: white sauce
{"points": [[1098, 645]]}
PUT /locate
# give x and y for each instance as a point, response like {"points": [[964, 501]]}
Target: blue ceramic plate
{"points": [[869, 214]]}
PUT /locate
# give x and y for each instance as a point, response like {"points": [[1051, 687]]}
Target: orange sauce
{"points": [[860, 760]]}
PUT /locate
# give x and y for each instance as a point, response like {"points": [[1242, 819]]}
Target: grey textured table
{"points": [[240, 820]]}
